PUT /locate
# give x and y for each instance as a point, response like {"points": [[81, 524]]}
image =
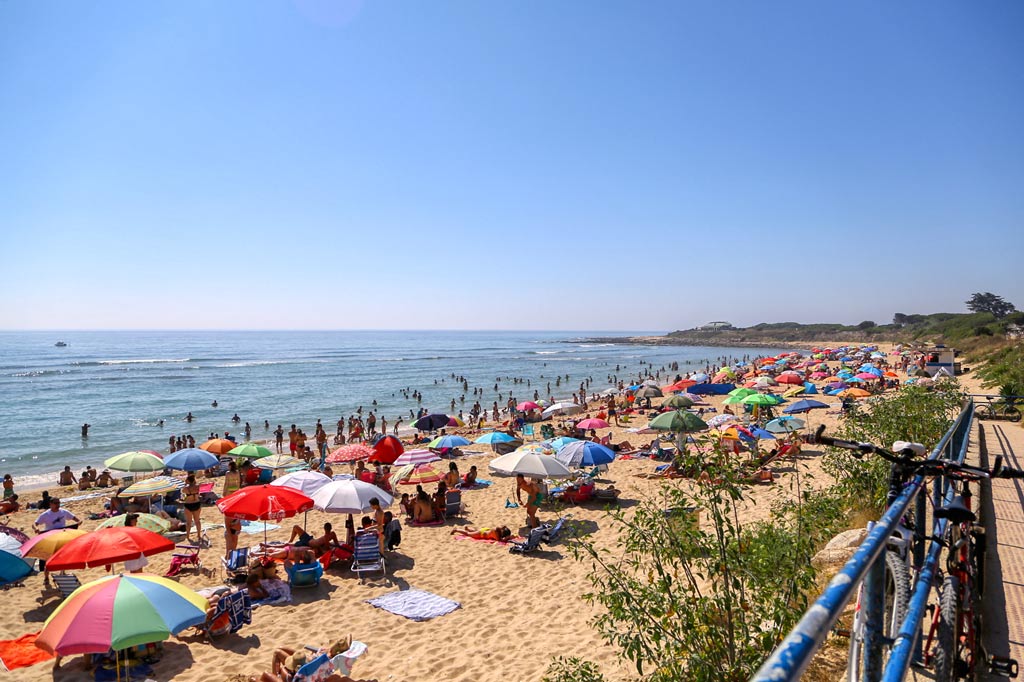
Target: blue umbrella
{"points": [[584, 453], [761, 433], [562, 441], [804, 406], [191, 459], [785, 425], [448, 442], [12, 567], [494, 437]]}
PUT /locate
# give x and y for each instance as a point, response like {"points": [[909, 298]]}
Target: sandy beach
{"points": [[517, 612]]}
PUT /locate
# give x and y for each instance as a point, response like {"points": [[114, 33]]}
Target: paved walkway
{"points": [[1003, 515]]}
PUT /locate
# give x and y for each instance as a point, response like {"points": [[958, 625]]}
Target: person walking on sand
{"points": [[279, 439], [193, 508]]}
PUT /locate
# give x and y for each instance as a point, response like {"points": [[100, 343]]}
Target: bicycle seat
{"points": [[901, 446], [956, 511]]}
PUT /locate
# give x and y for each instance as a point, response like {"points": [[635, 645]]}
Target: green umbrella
{"points": [[678, 421], [135, 461], [734, 400], [678, 401], [251, 451], [742, 392], [760, 399], [150, 522]]}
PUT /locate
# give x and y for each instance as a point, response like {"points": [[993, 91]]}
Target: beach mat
{"points": [[415, 604], [487, 541], [480, 483], [254, 527], [21, 652]]}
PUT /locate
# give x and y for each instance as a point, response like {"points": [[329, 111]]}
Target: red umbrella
{"points": [[387, 450], [680, 385], [789, 379], [108, 546], [350, 453], [264, 502]]}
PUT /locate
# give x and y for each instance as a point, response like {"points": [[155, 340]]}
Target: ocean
{"points": [[124, 383]]}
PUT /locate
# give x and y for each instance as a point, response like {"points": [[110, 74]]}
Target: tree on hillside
{"points": [[899, 319], [990, 303]]}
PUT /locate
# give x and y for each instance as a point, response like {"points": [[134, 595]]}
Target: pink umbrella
{"points": [[592, 424], [818, 375], [351, 453], [527, 405], [866, 376], [416, 457]]}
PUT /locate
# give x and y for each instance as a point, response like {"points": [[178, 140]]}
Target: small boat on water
{"points": [[60, 344]]}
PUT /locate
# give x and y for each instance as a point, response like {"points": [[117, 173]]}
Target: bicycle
{"points": [[956, 623], [1006, 410]]}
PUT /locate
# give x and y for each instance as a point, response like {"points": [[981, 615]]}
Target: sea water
{"points": [[124, 383]]}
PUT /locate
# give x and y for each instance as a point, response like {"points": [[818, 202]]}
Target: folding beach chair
{"points": [[528, 431], [551, 533], [237, 561], [233, 610], [189, 556], [66, 583], [532, 542], [367, 555], [452, 503]]}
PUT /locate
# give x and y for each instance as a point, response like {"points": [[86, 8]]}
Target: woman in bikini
{"points": [[232, 479], [193, 508], [499, 534], [451, 479], [232, 527]]}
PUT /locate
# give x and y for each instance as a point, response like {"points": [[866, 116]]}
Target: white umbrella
{"points": [[414, 457], [349, 497], [10, 545], [306, 482], [561, 408], [609, 392], [530, 464]]}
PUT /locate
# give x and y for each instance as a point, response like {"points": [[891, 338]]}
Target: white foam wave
{"points": [[143, 361]]}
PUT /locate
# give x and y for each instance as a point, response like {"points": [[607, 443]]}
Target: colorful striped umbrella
{"points": [[153, 486], [135, 461], [448, 442], [120, 611], [250, 451], [278, 462], [151, 522], [423, 474], [45, 544], [219, 446], [108, 546], [541, 448], [350, 453], [416, 457]]}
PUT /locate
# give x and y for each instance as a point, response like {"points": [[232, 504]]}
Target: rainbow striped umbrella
{"points": [[278, 462], [423, 474], [153, 486], [120, 611]]}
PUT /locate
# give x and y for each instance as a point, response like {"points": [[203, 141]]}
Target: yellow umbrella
{"points": [[43, 546], [795, 391]]}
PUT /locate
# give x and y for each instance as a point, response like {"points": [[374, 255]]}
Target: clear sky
{"points": [[541, 164]]}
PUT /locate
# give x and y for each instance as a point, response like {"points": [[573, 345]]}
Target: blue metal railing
{"points": [[793, 655]]}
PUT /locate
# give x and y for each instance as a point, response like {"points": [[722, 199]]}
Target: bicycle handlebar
{"points": [[906, 459]]}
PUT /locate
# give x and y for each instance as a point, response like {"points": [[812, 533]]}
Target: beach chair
{"points": [[532, 541], [452, 503], [237, 561], [528, 431], [367, 555], [551, 533], [317, 670], [547, 431], [305, 575], [189, 556], [66, 583], [233, 610]]}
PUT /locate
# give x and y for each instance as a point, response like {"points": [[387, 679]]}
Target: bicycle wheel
{"points": [[948, 637], [897, 598], [1012, 413], [983, 412]]}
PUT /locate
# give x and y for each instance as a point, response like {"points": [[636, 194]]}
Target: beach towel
{"points": [[257, 527], [280, 593], [480, 483], [435, 522], [21, 652], [488, 541], [88, 496], [415, 604]]}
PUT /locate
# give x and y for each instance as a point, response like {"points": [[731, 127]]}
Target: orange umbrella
{"points": [[422, 474], [853, 393], [219, 446]]}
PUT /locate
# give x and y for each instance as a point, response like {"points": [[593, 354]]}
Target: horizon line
{"points": [[360, 329]]}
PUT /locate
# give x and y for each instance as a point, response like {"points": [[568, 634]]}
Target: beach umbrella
{"points": [[219, 446], [153, 486], [530, 464], [678, 401], [264, 503], [349, 496], [251, 451], [455, 421], [592, 424], [678, 421], [785, 425], [351, 453], [9, 544], [866, 376], [680, 385], [12, 567], [584, 453], [414, 457], [760, 399], [134, 461], [606, 393], [191, 459], [648, 392], [151, 522], [789, 379], [120, 611], [108, 546], [699, 377], [387, 450], [431, 422], [423, 474], [742, 392], [542, 448], [853, 393], [720, 419], [818, 375], [735, 399], [447, 442], [561, 442], [809, 388], [306, 482], [527, 405], [494, 437], [278, 462], [805, 406], [793, 392], [14, 533], [45, 544], [758, 432], [561, 408]]}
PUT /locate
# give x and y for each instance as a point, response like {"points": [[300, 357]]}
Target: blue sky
{"points": [[533, 165]]}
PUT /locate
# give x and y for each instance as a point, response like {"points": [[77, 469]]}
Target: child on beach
{"points": [[8, 486]]}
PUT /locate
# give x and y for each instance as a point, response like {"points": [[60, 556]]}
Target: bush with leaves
{"points": [[916, 413], [573, 669], [701, 602]]}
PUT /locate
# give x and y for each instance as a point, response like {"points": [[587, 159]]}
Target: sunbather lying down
{"points": [[499, 534], [287, 661]]}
